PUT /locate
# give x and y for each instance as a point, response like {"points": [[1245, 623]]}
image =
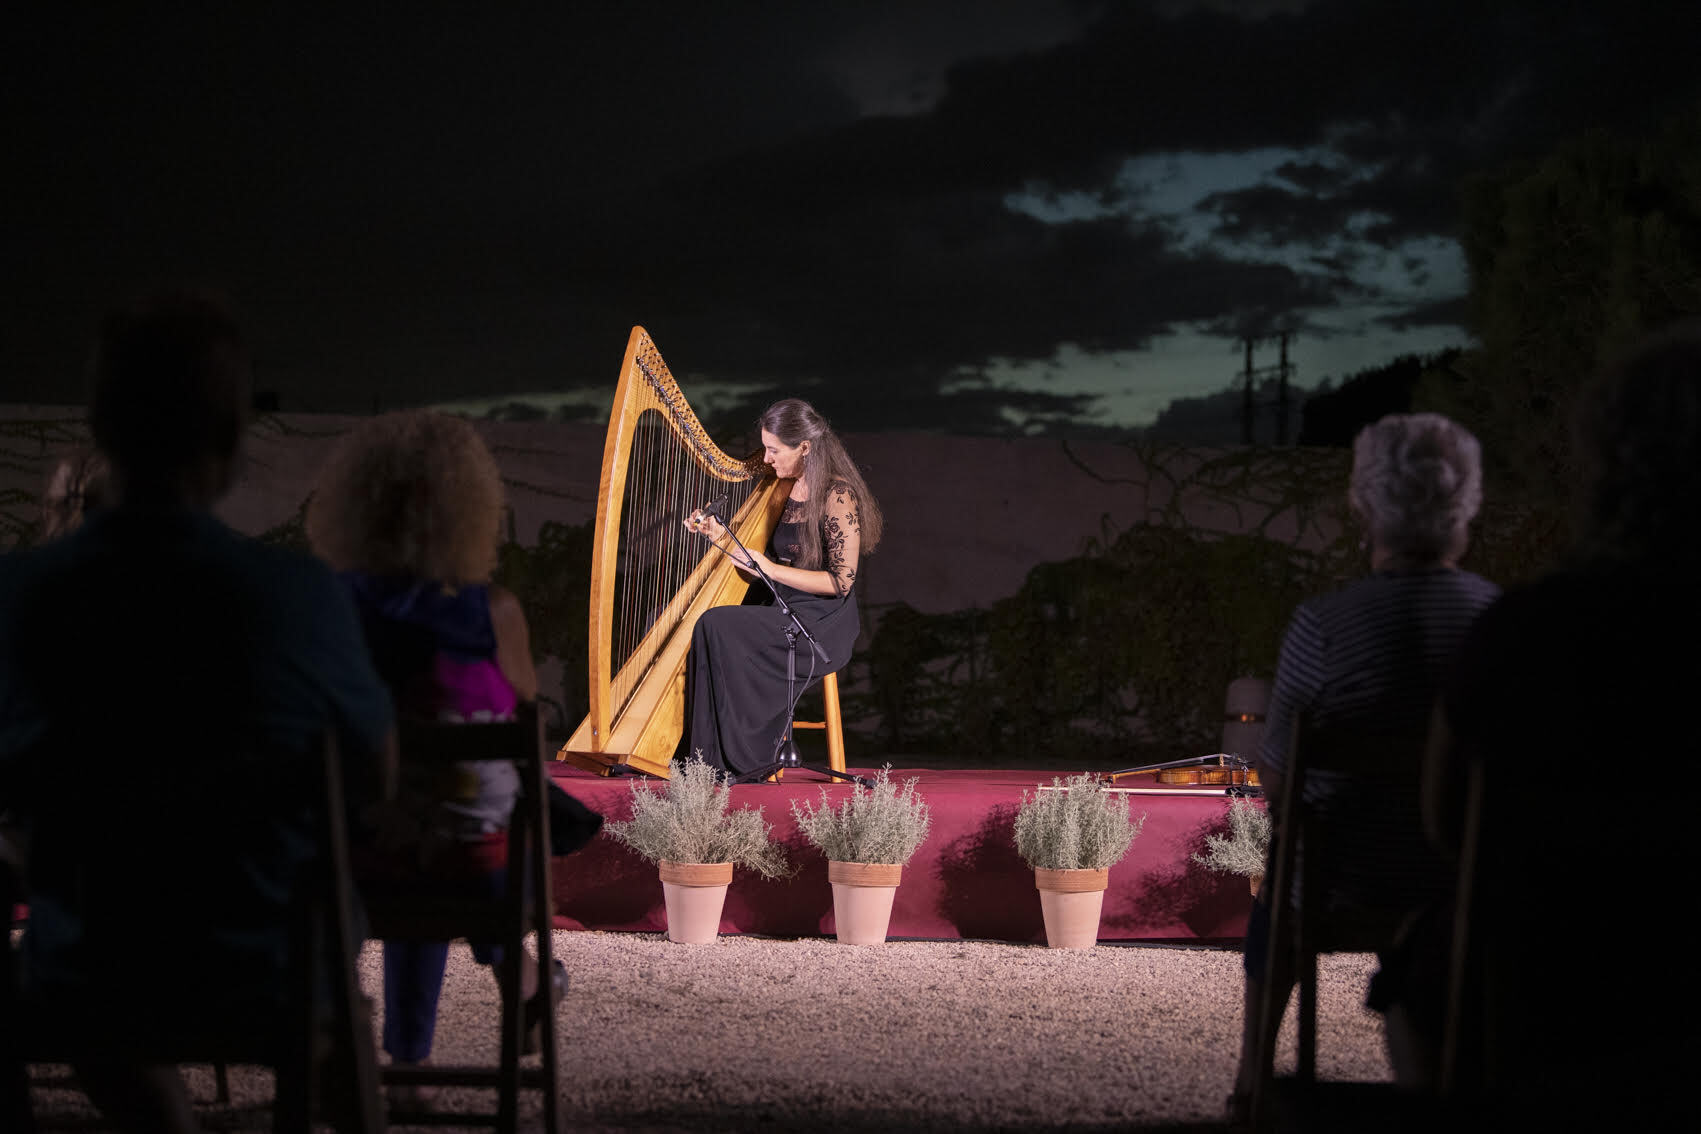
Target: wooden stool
{"points": [[834, 729]]}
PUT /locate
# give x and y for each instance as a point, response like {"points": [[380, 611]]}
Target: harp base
{"points": [[651, 754], [596, 762]]}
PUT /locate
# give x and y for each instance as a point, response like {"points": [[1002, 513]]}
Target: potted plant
{"points": [[688, 831], [867, 839], [1071, 834], [1246, 847]]}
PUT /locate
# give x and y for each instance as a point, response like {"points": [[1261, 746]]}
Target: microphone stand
{"points": [[786, 756]]}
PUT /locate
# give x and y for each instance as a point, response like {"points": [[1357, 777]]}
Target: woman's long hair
{"points": [[795, 421]]}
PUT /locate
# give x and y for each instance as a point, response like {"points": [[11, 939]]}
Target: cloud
{"points": [[1449, 312], [1313, 176], [1275, 215], [884, 252], [473, 202]]}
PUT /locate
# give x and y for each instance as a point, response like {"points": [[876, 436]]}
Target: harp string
{"points": [[659, 559]]}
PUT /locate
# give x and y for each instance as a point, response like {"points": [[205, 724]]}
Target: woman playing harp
{"points": [[738, 694]]}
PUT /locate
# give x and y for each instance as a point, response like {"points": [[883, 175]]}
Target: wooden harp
{"points": [[650, 578]]}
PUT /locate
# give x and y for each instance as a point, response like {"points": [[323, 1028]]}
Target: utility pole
{"points": [[1247, 408], [1249, 377]]}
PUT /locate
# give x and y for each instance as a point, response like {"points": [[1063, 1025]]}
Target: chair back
{"points": [[1361, 753], [437, 744], [525, 907], [1316, 832], [323, 1011], [1351, 802]]}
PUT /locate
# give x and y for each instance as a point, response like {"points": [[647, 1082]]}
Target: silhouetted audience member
{"points": [[1371, 658], [161, 677], [1569, 700], [409, 507], [76, 486]]}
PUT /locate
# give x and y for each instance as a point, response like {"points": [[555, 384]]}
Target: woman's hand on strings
{"points": [[710, 526], [705, 524]]}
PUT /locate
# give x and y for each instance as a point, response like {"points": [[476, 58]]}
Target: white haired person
{"points": [[738, 678], [1372, 657]]}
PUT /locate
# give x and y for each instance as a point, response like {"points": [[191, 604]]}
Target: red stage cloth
{"points": [[966, 881]]}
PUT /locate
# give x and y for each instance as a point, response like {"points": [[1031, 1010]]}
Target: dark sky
{"points": [[979, 216]]}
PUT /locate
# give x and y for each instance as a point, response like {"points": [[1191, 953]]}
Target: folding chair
{"points": [[324, 1035], [524, 907], [1301, 925], [1459, 1073], [14, 1072]]}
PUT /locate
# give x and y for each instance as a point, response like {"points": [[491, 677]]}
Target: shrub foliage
{"points": [[1077, 825], [883, 823], [690, 820], [1246, 848]]}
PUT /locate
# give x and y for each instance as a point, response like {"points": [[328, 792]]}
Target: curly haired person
{"points": [[408, 508]]}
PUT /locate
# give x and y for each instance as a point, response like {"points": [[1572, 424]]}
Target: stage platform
{"points": [[966, 881]]}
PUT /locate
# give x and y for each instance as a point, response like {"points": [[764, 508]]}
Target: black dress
{"points": [[737, 682]]}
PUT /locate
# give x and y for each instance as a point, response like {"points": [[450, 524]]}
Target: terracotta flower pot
{"points": [[862, 899], [1071, 901], [694, 893]]}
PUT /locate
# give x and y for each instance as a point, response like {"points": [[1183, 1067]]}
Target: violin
{"points": [[1209, 775], [1219, 770]]}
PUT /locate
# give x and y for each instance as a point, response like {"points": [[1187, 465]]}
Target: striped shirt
{"points": [[1372, 657]]}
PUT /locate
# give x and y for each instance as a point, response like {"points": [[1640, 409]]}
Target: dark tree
{"points": [[1332, 418], [1572, 258]]}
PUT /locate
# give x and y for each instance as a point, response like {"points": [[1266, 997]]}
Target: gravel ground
{"points": [[755, 1033]]}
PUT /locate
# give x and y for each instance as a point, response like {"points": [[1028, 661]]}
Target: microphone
{"points": [[717, 508]]}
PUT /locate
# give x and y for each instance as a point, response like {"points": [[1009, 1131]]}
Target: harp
{"points": [[650, 578]]}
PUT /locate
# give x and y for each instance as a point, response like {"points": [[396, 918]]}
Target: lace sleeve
{"points": [[841, 537]]}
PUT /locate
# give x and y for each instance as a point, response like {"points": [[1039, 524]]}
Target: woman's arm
{"points": [[513, 643], [841, 547], [841, 541]]}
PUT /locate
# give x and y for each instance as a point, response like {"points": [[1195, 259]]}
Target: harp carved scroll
{"points": [[650, 578]]}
